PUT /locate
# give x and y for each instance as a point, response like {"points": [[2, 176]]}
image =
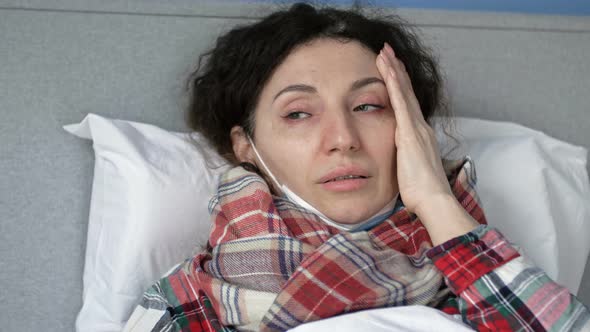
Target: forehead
{"points": [[324, 61]]}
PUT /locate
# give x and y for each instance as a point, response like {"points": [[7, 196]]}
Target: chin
{"points": [[348, 217], [353, 211]]}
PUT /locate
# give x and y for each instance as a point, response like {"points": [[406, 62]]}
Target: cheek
{"points": [[289, 160], [383, 147]]}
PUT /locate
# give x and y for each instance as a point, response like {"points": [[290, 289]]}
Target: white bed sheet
{"points": [[396, 319]]}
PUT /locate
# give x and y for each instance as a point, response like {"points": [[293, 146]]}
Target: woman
{"points": [[341, 201]]}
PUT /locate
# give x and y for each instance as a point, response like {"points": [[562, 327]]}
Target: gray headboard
{"points": [[61, 59]]}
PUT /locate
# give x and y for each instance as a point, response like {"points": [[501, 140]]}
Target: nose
{"points": [[340, 133]]}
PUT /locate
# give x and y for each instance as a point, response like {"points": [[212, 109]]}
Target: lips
{"points": [[344, 174], [347, 177]]}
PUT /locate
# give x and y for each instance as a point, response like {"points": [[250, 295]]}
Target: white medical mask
{"points": [[383, 214]]}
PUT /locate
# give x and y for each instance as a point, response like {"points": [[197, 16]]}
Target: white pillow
{"points": [[535, 190], [151, 188], [148, 212]]}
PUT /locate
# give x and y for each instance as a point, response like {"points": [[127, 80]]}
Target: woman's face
{"points": [[325, 128]]}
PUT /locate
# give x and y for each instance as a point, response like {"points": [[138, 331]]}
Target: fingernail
{"points": [[389, 49]]}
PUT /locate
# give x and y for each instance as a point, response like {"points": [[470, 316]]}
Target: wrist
{"points": [[445, 218]]}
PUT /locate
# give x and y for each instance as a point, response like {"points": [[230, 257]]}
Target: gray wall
{"points": [[62, 59]]}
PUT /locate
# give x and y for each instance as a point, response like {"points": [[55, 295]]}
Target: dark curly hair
{"points": [[224, 91]]}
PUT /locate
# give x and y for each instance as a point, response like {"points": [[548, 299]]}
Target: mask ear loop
{"points": [[266, 169], [291, 196]]}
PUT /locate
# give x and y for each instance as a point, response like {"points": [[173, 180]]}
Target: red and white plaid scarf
{"points": [[271, 266]]}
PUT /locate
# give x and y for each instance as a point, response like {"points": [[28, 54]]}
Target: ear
{"points": [[241, 145]]}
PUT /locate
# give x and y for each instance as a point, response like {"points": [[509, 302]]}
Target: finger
{"points": [[412, 107], [399, 67], [396, 97], [405, 83]]}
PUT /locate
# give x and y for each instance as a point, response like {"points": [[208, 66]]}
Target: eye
{"points": [[367, 108], [297, 115]]}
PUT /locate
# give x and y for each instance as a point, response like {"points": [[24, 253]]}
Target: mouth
{"points": [[346, 183], [345, 177]]}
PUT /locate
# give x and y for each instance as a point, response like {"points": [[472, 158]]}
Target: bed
{"points": [[62, 60]]}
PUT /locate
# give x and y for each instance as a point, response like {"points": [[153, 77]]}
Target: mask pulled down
{"points": [[287, 193]]}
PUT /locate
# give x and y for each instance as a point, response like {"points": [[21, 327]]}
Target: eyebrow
{"points": [[310, 89]]}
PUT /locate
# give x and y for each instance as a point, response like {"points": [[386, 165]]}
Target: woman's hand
{"points": [[422, 182], [420, 171]]}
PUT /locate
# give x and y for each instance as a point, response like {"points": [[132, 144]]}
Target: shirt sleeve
{"points": [[174, 303], [498, 289]]}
